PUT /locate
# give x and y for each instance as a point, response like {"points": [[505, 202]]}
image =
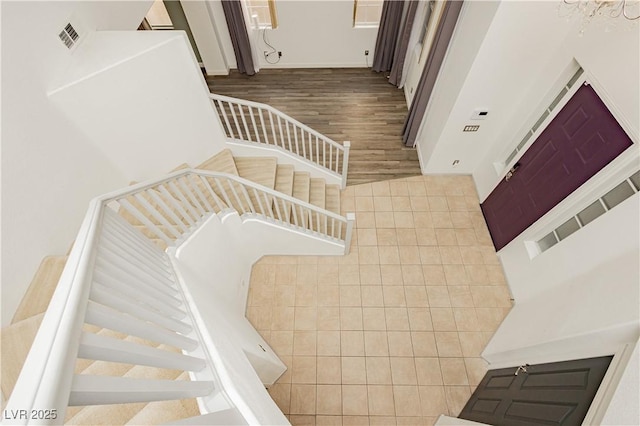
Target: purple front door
{"points": [[582, 139]]}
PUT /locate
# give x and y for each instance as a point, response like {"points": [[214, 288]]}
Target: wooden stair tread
{"points": [[332, 198], [317, 188], [16, 343], [221, 162], [301, 184], [284, 179], [261, 170], [36, 299]]}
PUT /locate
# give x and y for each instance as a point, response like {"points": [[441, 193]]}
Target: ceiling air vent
{"points": [[69, 36], [470, 128]]}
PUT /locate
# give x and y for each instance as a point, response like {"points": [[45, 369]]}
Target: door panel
{"points": [[545, 394], [582, 139]]}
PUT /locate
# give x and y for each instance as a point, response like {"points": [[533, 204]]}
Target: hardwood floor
{"points": [[354, 104]]}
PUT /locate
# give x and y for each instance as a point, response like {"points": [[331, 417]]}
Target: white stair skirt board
{"points": [[250, 149]]}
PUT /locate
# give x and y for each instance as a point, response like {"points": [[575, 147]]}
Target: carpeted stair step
{"points": [[284, 184], [158, 412], [284, 179], [36, 299], [16, 342], [221, 162], [301, 187], [317, 192], [119, 414], [261, 170], [301, 183], [332, 198]]}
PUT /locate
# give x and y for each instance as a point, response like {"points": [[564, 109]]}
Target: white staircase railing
{"points": [[117, 278], [261, 123]]}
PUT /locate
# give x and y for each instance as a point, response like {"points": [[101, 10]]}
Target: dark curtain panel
{"points": [[403, 42], [387, 35], [430, 72], [239, 36]]}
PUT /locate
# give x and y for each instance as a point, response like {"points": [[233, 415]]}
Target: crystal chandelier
{"points": [[602, 12]]}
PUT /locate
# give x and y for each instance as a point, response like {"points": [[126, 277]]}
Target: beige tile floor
{"points": [[390, 334]]}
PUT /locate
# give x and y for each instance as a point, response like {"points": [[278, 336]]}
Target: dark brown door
{"points": [[545, 394], [582, 139]]}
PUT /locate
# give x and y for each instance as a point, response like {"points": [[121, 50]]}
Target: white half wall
{"points": [[148, 112], [216, 263], [49, 170]]}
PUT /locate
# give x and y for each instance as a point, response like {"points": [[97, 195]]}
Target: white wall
{"points": [[310, 33], [148, 111], [206, 37], [49, 171], [319, 34], [515, 49], [215, 265], [222, 31], [468, 37], [581, 296], [515, 65]]}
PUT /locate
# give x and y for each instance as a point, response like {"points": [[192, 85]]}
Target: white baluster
{"points": [[264, 128], [145, 295], [142, 218], [235, 120], [186, 189], [244, 122], [226, 119], [154, 212], [255, 128], [185, 203], [176, 204], [108, 318], [134, 309], [178, 222], [100, 390], [104, 348]]}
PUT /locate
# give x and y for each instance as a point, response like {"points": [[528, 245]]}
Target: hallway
{"points": [[392, 333], [353, 104]]}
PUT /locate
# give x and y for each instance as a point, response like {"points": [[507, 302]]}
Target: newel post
{"points": [[345, 162], [351, 220]]}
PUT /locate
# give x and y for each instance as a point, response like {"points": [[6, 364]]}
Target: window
{"points": [[615, 196], [264, 11], [158, 17], [366, 13], [543, 117]]}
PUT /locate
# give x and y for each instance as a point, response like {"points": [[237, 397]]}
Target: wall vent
{"points": [[470, 128], [69, 36]]}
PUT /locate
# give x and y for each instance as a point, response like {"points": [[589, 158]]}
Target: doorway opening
{"points": [[169, 15]]}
